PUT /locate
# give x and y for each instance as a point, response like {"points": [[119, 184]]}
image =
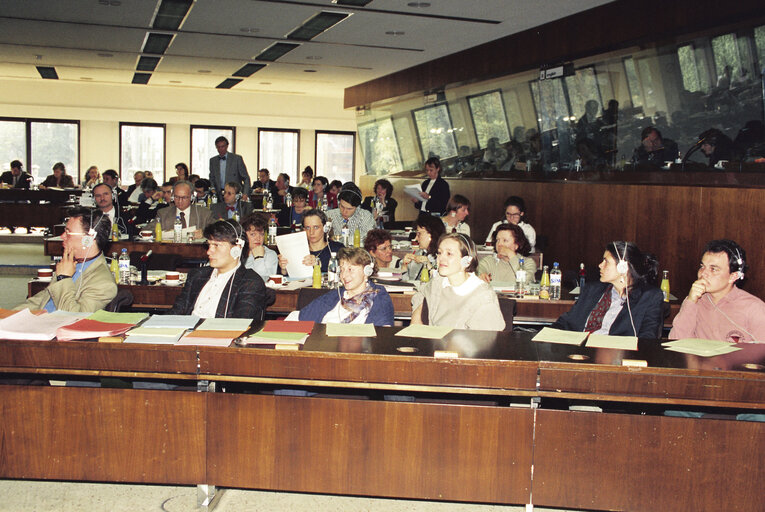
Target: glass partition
{"points": [[693, 105]]}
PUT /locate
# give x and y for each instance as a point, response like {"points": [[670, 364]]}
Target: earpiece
{"points": [[369, 269], [465, 261], [471, 255], [740, 264], [89, 239], [236, 250], [622, 266]]}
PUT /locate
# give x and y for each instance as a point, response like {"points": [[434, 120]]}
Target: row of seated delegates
{"points": [[379, 244], [82, 281], [455, 296], [91, 178], [654, 149], [358, 300], [349, 214], [226, 167], [381, 205], [716, 307], [510, 245], [234, 205], [261, 259], [316, 228], [435, 190], [16, 177], [515, 213], [626, 301], [320, 192], [457, 211], [226, 288], [59, 178], [190, 214], [151, 199], [293, 215], [428, 230]]}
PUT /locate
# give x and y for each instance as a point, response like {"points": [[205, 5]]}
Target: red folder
{"points": [[282, 326]]}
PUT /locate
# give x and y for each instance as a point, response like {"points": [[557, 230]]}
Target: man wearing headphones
{"points": [[348, 214], [232, 204], [226, 167], [716, 307], [190, 214], [103, 195], [225, 289], [110, 178], [282, 189], [82, 281]]}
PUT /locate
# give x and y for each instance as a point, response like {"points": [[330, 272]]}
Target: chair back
{"points": [[122, 300], [308, 295], [507, 306]]}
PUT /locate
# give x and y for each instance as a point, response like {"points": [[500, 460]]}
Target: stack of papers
{"points": [[431, 332], [209, 338], [616, 342], [550, 335], [159, 335], [117, 318], [283, 326], [170, 321], [699, 347], [225, 324], [276, 338], [26, 326], [99, 324]]}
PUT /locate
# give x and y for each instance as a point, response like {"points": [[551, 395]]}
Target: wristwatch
{"points": [[62, 276]]}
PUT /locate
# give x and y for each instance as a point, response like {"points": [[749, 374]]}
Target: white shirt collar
{"points": [[470, 284]]}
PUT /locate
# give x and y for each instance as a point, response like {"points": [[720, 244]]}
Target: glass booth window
{"points": [[435, 131], [13, 144], [380, 147], [142, 148], [489, 121]]}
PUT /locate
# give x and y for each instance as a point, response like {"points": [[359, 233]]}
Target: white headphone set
{"points": [[468, 258], [89, 239], [236, 250], [622, 266], [740, 262]]}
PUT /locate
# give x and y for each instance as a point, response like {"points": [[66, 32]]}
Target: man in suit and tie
{"points": [[232, 206], [264, 183], [190, 214], [16, 178], [227, 167]]}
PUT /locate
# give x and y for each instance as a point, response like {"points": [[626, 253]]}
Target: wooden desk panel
{"points": [[462, 453], [31, 215], [197, 250], [102, 435], [153, 296], [647, 463]]}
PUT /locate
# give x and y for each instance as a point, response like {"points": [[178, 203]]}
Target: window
{"points": [[39, 144], [380, 147], [550, 101], [725, 52], [489, 120], [582, 87], [203, 146], [278, 152], [632, 82], [142, 148], [335, 155], [434, 129]]}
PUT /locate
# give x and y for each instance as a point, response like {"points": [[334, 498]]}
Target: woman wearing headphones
{"points": [[626, 301], [357, 301], [315, 227], [225, 289], [457, 210], [456, 297], [510, 245], [261, 259], [428, 230]]}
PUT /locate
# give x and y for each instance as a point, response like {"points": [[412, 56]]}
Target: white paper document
{"points": [[550, 335], [413, 191], [26, 326], [225, 324], [169, 321], [294, 247]]}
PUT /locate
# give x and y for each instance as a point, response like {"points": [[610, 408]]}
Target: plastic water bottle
{"points": [[332, 277], [124, 266], [271, 231], [177, 230], [288, 200], [520, 279], [555, 282], [345, 235], [269, 202]]}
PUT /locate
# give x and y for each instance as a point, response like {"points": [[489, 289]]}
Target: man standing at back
{"points": [[716, 307], [226, 167]]}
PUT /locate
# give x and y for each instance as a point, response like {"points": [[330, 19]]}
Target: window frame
{"points": [[472, 116], [28, 121], [164, 145], [297, 160], [232, 144], [316, 150]]}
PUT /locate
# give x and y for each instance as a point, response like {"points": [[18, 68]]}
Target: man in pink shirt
{"points": [[716, 307]]}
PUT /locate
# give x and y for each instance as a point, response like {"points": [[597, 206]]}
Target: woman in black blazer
{"points": [[436, 198]]}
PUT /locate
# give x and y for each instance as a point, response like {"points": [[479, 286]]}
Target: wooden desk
{"points": [[21, 195], [196, 250], [32, 215]]}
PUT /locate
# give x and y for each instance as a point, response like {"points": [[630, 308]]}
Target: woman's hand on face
{"points": [[283, 262]]}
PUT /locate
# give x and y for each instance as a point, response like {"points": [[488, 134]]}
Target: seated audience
{"points": [[291, 216], [382, 205], [314, 226], [261, 259], [455, 296], [59, 178], [457, 210], [190, 214], [16, 178], [233, 205], [515, 210], [428, 230], [510, 245], [149, 201], [103, 196], [91, 178], [133, 192], [82, 281], [357, 301], [654, 149], [317, 195], [225, 289], [435, 191], [626, 302], [378, 244], [716, 307], [348, 214]]}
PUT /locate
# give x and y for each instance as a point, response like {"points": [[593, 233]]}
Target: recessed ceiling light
{"points": [[418, 4], [250, 30], [309, 71], [204, 71], [395, 33], [314, 57], [105, 55]]}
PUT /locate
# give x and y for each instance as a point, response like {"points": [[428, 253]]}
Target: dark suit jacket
{"points": [[439, 196], [219, 211], [23, 182], [279, 199], [390, 206], [645, 305], [235, 171], [246, 300], [66, 181], [270, 185]]}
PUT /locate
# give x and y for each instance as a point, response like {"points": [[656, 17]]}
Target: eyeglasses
{"points": [[513, 215], [72, 233], [182, 197]]}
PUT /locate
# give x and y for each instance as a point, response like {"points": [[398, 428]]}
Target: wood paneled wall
{"points": [[579, 219]]}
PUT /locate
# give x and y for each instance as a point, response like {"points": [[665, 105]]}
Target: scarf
{"points": [[358, 303]]}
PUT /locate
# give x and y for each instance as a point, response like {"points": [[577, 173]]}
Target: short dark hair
{"points": [[516, 201], [111, 173], [299, 192], [322, 179], [227, 231], [648, 130], [335, 183], [59, 165], [467, 248], [434, 226], [264, 170], [16, 164], [235, 185], [92, 218], [434, 161], [386, 185], [149, 183], [524, 248], [350, 193], [733, 251], [643, 267], [256, 221], [456, 202], [221, 139], [375, 238], [203, 183], [284, 176], [313, 212]]}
